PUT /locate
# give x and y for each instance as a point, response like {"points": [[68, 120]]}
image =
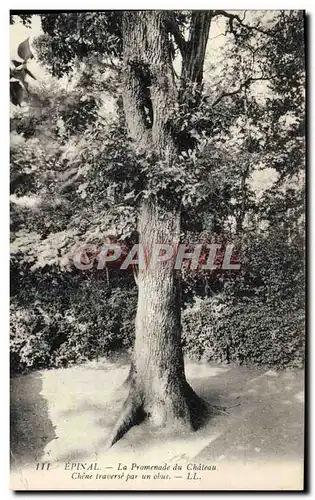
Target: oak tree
{"points": [[165, 118]]}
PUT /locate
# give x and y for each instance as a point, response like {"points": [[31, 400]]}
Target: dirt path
{"points": [[65, 415]]}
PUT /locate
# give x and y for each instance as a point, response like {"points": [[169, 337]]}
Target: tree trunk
{"points": [[158, 355], [158, 389], [242, 212]]}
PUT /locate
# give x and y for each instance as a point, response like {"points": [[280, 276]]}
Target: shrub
{"points": [[257, 333], [89, 321]]}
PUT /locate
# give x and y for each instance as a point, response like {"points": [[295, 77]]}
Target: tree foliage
{"points": [[76, 177]]}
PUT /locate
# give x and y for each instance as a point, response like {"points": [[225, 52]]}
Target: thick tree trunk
{"points": [[158, 389], [158, 359], [158, 355]]}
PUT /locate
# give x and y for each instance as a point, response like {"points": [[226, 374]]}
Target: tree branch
{"points": [[173, 28], [243, 85], [192, 67], [232, 17]]}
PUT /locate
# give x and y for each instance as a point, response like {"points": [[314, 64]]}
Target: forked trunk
{"points": [[158, 389]]}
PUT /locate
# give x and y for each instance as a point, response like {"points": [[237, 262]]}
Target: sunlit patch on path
{"points": [[68, 414]]}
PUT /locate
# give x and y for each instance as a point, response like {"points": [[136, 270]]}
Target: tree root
{"points": [[131, 414], [128, 382], [198, 408], [133, 410]]}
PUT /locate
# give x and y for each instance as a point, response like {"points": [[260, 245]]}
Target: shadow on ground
{"points": [[67, 414], [30, 426]]}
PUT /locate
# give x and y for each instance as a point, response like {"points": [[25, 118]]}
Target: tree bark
{"points": [[158, 357], [158, 389], [157, 385]]}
